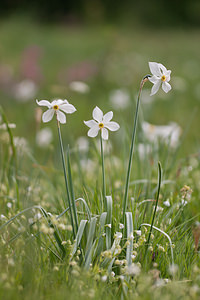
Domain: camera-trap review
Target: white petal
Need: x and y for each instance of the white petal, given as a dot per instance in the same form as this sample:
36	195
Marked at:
97	114
113	126
61	117
67	108
90	123
104	133
154	79
66	101
93	131
155	70
44	103
47	115
57	102
166	87
107	117
155	88
168	75
164	70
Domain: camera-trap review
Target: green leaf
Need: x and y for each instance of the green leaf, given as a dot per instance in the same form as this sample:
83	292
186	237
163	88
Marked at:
129	231
108	221
79	236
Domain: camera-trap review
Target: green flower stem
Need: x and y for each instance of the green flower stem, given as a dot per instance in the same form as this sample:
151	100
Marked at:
157	197
103	172
66	181
132	148
72	190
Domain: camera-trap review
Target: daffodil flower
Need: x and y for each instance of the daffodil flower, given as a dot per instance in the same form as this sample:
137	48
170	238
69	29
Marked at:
58	107
101	122
160	75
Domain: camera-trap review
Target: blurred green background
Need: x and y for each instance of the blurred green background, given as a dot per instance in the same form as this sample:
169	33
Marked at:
94	52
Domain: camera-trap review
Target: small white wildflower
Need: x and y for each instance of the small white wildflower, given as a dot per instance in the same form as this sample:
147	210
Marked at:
112	274
2	217
25	90
173	269
119	99
104	278
44	137
161	248
159	208
9	204
4	126
167	203
160	76
121	226
69	227
133	270
82	144
79	86
58	107
101	122
11	262
138	232
169	134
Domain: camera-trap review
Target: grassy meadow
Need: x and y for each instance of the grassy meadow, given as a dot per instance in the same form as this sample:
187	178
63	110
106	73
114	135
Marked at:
94	248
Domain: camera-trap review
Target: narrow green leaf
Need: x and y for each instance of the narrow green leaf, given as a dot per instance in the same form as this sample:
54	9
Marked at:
90	236
129	230
108	221
79	236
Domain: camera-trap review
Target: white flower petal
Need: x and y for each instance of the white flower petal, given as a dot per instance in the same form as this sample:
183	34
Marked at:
65	101
166	87
44	103
97	114
57	102
154	79
164	70
61	117
104	133
113	126
90	123
154	68
47	115
93	131
107	117
155	88
67	108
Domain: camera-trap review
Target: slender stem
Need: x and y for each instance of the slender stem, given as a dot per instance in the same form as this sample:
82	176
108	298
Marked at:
157	197
132	148
72	189
65	176
103	172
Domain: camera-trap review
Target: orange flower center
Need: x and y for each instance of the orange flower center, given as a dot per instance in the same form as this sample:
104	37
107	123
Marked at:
163	78
55	107
101	125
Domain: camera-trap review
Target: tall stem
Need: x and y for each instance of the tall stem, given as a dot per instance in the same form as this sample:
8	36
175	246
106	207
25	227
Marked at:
103	172
65	176
157	197
132	148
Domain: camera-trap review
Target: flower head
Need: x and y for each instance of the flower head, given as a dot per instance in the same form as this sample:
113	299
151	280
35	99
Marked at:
58	107
160	75
101	122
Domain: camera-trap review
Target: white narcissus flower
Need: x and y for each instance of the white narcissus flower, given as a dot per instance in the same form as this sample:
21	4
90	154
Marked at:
160	75
101	122
58	107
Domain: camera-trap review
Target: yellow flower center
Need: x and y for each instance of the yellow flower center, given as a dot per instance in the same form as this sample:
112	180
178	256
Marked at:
163	78
55	107
101	125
